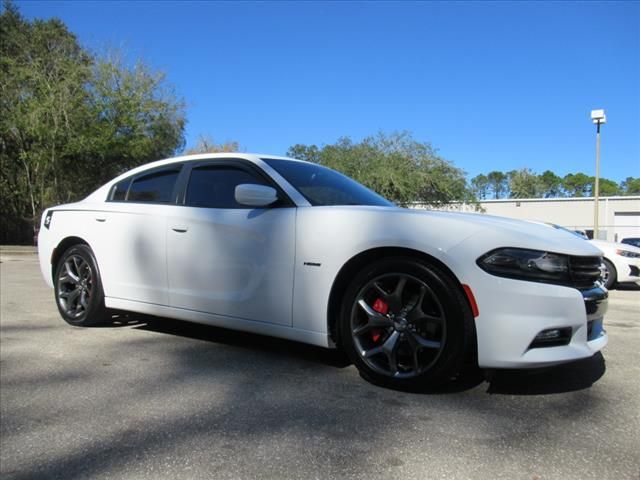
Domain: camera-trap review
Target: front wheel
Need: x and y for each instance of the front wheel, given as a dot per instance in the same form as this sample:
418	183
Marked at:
609	274
78	288
405	324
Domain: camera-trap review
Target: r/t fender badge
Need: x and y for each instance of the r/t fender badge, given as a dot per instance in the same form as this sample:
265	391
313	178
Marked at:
312	264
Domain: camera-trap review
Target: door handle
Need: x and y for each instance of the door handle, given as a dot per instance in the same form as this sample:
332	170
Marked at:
101	219
179	229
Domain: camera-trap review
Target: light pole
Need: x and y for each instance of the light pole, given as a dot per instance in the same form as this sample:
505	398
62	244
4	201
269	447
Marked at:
599	118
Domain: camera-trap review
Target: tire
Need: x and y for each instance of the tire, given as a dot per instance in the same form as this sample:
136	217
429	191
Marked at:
78	288
609	275
406	324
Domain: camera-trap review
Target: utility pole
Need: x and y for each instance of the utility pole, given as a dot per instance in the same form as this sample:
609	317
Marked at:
599	118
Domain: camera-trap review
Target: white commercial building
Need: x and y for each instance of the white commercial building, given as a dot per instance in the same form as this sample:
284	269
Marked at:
619	217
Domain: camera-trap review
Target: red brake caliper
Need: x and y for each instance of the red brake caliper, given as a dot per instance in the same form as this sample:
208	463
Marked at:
381	307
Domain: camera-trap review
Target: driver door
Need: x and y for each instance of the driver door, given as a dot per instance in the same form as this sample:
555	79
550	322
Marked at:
229	259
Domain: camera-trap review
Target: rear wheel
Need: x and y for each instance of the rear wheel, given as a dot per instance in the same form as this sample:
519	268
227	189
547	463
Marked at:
609	274
78	288
405	324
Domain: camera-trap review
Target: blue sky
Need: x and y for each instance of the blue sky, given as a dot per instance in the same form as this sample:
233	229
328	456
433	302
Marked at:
493	86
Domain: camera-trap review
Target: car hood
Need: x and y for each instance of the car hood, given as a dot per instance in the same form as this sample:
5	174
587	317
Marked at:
481	230
524	233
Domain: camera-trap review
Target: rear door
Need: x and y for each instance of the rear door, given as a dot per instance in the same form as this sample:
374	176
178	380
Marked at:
131	241
229	259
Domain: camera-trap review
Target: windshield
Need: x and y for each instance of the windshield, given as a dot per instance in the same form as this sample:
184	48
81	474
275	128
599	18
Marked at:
322	186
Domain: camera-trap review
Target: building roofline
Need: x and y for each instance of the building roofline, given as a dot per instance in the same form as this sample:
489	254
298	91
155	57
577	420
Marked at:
559	199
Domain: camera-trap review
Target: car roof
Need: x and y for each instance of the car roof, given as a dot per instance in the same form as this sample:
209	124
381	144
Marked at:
255	158
252	157
208	156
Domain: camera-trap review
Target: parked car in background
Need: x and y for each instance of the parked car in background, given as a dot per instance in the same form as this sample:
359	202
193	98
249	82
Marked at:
295	250
635	241
621	262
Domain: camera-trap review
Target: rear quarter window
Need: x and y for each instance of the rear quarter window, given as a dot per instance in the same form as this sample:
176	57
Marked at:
156	186
119	191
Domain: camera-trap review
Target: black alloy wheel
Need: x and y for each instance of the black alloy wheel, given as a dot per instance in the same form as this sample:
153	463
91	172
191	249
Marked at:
406	324
78	288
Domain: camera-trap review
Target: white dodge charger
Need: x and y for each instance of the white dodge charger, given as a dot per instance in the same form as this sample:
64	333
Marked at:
291	249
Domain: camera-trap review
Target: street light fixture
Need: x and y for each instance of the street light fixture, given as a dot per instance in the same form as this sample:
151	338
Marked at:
599	118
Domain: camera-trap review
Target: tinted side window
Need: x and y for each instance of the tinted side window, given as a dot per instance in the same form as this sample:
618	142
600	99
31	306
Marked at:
154	187
214	187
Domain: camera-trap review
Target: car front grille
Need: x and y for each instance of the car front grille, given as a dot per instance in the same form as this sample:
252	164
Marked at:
584	271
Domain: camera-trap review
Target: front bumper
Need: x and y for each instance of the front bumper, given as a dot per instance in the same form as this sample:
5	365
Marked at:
628	270
513	313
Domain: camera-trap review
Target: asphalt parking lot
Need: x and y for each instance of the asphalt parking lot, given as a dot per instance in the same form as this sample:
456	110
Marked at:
155	398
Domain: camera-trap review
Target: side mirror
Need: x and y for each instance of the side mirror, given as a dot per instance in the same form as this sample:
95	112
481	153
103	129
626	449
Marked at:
254	195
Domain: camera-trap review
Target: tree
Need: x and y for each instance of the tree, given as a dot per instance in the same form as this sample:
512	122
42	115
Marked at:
523	183
42	109
577	185
550	184
497	184
480	186
608	188
135	117
630	186
206	144
309	153
71	120
395	165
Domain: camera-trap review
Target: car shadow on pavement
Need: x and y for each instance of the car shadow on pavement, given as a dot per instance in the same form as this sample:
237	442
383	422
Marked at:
239	339
568	377
574	376
628	286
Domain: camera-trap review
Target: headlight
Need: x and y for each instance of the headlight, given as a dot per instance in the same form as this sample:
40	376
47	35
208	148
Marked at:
628	254
525	264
